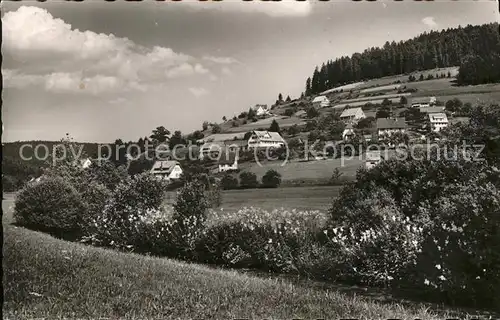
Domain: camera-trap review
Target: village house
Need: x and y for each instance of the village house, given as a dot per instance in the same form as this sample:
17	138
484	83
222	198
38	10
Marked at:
265	139
212	150
166	170
321	102
388	126
372	158
228	161
261	109
348	132
438	121
423	102
434	109
352	115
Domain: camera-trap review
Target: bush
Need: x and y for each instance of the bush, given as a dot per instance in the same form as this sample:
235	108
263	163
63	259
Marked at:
52	205
429	225
252	238
272	179
95	196
189	218
229	182
131	201
248	180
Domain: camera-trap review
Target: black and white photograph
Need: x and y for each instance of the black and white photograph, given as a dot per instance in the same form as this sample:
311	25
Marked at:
250	159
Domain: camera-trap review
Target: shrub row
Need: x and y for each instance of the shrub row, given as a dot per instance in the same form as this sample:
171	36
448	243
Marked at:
248	180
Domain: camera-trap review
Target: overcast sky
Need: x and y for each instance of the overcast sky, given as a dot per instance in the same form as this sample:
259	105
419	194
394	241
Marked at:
102	71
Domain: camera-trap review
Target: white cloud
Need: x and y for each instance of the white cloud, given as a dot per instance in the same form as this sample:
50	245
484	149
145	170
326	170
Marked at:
226	71
213	77
271	8
220	60
45	43
429	22
198	92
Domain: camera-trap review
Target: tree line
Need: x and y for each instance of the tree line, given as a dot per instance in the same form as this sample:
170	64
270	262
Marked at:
462	46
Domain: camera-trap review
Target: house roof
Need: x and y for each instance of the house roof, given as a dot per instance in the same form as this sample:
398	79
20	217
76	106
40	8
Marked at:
220	137
320	99
164	166
350	112
431	109
268	135
227	158
435	116
422	99
390	123
257	106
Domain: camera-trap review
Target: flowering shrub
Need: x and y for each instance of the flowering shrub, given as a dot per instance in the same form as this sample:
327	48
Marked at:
52	205
256	238
430	225
132	200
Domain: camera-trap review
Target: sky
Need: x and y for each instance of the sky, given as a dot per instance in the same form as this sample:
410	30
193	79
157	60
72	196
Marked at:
107	70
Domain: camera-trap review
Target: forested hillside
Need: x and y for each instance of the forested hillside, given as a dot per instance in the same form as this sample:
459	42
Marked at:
436	49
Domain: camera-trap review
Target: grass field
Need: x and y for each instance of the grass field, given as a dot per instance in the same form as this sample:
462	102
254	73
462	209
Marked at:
295	170
49	278
300	198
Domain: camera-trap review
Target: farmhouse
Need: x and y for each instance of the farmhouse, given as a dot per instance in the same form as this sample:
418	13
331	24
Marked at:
321	102
431	109
261	109
348	132
228	161
438	121
423	102
265	139
388	126
352	115
166	170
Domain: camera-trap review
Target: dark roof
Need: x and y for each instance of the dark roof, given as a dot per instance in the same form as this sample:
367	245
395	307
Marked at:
227	157
390	123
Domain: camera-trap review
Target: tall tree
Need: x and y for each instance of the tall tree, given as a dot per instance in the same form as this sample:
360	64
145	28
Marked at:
160	135
275	127
280	97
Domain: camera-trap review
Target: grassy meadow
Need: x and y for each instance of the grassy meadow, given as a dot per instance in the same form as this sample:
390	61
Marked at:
48	278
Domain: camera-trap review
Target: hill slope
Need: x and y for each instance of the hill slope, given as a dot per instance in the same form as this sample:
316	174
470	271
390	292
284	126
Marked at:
46	277
435	49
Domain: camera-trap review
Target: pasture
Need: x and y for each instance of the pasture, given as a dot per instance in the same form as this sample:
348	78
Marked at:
300	198
49	278
315	169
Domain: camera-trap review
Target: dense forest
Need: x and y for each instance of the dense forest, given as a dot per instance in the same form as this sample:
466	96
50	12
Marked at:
462	46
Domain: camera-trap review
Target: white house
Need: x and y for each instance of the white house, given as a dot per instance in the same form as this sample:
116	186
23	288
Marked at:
423	102
434	109
321	102
388	126
348	132
261	109
228	161
352	115
265	139
438	121
166	170
372	158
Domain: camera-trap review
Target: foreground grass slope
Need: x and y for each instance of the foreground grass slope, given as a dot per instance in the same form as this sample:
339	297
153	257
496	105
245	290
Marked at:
46	277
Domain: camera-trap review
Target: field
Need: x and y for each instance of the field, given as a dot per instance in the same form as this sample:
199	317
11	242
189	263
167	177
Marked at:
49	278
296	170
300	198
